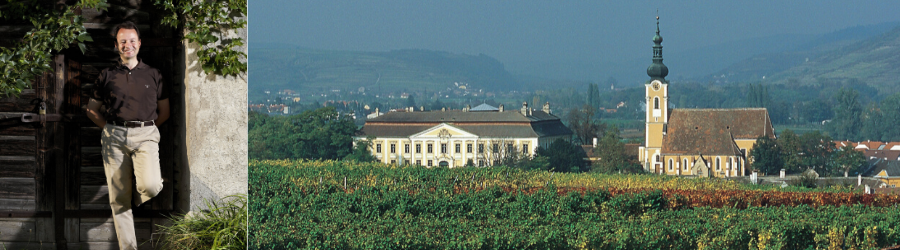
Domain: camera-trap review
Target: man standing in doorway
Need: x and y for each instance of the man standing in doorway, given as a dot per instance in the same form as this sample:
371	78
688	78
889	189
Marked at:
135	103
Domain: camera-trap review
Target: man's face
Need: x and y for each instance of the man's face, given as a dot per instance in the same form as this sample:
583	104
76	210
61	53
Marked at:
127	44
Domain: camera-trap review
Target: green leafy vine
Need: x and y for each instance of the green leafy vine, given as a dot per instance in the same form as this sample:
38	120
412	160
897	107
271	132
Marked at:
203	21
55	27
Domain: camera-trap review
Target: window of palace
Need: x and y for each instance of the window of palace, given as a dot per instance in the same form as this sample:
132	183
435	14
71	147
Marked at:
509	148
419	162
525	148
496	148
393	148
418	148
430	149
406	148
378	148
443	148
458	148
393	162
481	149
469	148
429	163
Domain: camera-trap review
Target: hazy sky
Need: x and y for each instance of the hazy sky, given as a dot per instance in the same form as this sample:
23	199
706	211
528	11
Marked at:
523	31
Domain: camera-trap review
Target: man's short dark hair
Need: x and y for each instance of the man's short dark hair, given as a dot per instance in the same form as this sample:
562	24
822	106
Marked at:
126	25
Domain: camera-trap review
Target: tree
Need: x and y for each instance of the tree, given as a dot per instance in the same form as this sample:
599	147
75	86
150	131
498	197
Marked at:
563	156
849	159
361	152
611	151
790	151
817	148
890	111
411	101
847	113
582	122
314	134
767	156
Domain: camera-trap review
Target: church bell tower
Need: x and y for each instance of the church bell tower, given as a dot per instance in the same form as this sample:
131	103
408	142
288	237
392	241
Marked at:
657	113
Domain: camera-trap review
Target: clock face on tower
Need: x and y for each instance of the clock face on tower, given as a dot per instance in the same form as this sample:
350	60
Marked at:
655	84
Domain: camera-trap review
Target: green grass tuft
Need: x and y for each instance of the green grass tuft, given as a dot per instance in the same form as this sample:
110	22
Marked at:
222	226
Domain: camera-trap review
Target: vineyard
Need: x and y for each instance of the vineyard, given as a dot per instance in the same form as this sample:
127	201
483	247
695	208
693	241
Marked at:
347	205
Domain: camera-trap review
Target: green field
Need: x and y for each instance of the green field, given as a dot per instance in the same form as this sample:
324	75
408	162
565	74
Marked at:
347	205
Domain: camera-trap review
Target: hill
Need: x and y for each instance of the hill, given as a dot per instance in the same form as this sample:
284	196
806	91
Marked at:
275	66
867	55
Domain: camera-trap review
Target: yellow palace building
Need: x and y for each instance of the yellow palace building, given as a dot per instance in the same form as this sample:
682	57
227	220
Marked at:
480	136
696	142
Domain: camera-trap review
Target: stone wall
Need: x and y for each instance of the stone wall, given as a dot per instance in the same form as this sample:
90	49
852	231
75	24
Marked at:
213	161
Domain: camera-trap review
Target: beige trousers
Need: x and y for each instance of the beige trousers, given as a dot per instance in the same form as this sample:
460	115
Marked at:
130	152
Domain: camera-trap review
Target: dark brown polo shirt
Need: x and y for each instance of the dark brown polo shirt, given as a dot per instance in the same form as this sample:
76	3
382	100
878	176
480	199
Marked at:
130	94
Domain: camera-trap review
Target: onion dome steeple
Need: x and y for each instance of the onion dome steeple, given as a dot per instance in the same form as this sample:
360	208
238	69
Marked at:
657	70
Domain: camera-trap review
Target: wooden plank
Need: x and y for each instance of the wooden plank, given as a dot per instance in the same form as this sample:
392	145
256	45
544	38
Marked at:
28	245
93	176
17	204
17	188
23	168
22	230
90	156
18	104
94	195
93	232
90	137
15	127
14	145
72	229
104	246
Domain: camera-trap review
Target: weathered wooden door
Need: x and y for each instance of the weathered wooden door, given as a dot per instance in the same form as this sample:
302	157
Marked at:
53	192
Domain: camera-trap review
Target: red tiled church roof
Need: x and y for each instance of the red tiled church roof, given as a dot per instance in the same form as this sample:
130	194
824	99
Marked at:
713	131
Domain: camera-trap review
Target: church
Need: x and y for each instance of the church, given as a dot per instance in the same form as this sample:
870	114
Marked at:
696	142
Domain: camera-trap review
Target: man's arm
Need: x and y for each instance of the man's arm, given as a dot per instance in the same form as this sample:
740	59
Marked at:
162	109
93	112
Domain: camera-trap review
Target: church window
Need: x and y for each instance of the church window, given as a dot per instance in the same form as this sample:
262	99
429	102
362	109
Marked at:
655	102
718	164
657	158
685	163
671	164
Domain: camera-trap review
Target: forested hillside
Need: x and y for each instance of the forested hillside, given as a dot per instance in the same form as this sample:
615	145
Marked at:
287	67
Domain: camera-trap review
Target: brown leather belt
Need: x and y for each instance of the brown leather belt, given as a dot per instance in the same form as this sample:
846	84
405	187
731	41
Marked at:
132	124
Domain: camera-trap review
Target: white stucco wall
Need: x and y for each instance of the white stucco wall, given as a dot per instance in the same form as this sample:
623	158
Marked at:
215	130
